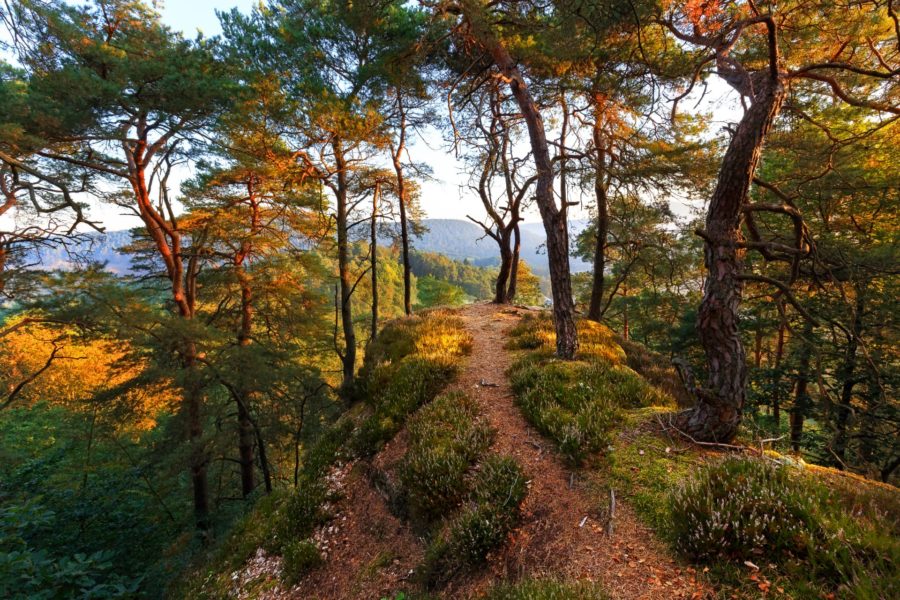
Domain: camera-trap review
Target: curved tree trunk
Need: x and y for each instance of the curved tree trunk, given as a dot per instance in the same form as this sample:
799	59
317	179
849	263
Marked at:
717	415
501	286
554	218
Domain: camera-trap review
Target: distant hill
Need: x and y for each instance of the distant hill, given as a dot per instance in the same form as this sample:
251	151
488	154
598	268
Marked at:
456	239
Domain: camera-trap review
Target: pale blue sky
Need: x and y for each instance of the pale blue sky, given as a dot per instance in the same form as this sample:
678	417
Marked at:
189	16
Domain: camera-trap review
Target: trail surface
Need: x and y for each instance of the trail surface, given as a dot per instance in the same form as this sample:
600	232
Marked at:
562	534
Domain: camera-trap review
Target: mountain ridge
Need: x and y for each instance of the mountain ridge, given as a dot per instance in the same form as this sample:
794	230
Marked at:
454	238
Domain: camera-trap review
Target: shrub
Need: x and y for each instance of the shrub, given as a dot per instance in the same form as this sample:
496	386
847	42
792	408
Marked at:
577	403
303	511
406	366
595	341
445	439
559	400
327	449
497	494
822	538
740	508
300	557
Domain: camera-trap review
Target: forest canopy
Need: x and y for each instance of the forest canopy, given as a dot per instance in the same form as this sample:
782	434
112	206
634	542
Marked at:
275	178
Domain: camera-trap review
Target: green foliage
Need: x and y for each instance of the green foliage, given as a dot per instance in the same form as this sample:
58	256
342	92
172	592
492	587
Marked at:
528	287
405	367
477	282
483	525
576	403
85	510
300	557
741	509
434	292
445	439
44	574
545	589
303	511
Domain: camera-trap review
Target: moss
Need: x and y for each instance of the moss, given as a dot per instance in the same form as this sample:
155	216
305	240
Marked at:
578	403
645	473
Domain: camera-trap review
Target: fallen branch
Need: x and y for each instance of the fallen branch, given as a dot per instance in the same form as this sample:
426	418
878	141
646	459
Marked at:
612	512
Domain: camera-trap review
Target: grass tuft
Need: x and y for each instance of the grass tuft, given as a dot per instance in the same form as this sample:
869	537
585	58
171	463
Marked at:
545	589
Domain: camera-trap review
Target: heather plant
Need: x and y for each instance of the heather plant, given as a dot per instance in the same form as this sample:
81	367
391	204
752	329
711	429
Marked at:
300	556
406	366
445	440
493	511
546	589
740	509
823	540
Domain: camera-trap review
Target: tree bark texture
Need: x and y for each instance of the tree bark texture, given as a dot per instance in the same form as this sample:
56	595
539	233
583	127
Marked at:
718	412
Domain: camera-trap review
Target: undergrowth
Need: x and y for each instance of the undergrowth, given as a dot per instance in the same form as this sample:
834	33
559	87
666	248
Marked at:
492	511
445	440
812	540
405	367
576	403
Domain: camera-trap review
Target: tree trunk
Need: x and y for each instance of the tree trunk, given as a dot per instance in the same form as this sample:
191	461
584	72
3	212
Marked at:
348	357
397	155
717	415
776	371
848	374
625	329
501	287
373	250
514	266
801	389
245	426
247	432
595	310
167	239
553	217
197	461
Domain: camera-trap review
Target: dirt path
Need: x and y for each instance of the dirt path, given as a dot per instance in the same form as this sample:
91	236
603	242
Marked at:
561	534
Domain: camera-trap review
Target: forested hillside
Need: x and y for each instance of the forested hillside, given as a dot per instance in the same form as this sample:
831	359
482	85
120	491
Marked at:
654	355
